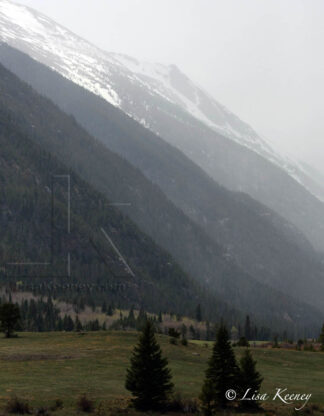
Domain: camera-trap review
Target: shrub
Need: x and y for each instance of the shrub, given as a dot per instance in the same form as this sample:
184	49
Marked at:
173	333
84	404
309	347
243	342
185	406
100	410
315	407
299	345
42	411
18	406
184	341
173	341
58	404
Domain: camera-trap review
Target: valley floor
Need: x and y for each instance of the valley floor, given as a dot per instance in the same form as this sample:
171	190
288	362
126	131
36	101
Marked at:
42	367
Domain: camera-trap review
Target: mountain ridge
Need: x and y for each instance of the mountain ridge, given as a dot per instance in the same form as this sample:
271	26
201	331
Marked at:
26	172
287	190
168	81
227	278
269	248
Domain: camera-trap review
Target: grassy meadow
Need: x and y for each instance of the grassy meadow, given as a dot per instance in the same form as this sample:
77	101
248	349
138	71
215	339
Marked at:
42	367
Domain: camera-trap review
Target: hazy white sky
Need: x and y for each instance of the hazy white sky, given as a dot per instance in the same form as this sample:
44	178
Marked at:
263	59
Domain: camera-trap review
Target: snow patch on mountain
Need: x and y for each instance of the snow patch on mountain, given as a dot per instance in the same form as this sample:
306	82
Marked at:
109	75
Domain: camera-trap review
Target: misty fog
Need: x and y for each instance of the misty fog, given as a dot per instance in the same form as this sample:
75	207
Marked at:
262	59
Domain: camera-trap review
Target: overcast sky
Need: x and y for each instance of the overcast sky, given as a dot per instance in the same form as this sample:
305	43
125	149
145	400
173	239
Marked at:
263	59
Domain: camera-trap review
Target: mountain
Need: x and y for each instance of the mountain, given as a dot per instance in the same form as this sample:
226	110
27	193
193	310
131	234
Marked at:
267	247
202	258
164	100
81	262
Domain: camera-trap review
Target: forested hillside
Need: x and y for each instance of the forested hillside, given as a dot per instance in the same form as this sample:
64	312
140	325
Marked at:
202	258
30	234
264	245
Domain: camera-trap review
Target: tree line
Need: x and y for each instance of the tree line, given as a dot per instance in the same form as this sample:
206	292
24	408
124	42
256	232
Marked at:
42	314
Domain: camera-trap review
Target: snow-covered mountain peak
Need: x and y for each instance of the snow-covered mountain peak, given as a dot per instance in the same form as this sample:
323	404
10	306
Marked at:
136	87
102	72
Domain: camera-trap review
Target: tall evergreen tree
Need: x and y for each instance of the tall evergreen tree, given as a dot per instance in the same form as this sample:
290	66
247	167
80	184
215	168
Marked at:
247	328
9	318
68	324
250	378
148	377
110	311
141	319
198	313
160	317
192	332
321	338
77	324
104	307
222	374
207	331
183	330
131	321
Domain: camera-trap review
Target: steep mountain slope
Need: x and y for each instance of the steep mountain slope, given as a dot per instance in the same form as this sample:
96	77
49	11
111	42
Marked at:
155	282
118	180
167	102
265	245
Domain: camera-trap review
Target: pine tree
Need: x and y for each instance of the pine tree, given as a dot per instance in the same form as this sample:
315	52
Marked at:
141	319
275	342
247	328
68	324
198	313
250	378
148	378
183	330
192	332
160	317
59	324
39	322
207	331
104	307
77	324
321	338
94	325
9	318
110	311
222	374
131	321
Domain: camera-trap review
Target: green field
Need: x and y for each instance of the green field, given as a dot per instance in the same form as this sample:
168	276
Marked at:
41	367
